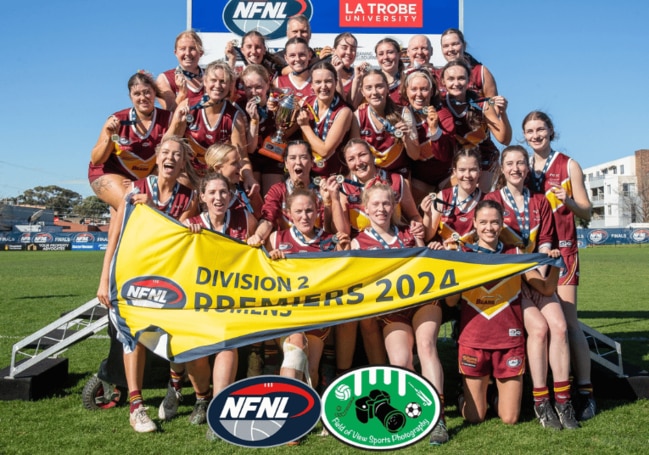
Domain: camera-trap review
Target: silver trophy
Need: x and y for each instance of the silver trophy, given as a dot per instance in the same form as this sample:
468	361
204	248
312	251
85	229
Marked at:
274	146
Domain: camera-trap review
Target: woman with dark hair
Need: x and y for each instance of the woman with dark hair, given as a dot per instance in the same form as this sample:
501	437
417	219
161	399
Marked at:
261	125
491	341
529	226
274	214
561	179
126	146
298	80
448	214
326	120
388	55
253	51
481	80
343	58
476	119
379	123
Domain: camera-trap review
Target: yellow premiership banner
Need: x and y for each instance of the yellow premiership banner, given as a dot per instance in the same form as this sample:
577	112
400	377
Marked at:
187	295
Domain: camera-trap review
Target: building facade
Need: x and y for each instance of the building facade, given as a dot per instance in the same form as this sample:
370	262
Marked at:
619	191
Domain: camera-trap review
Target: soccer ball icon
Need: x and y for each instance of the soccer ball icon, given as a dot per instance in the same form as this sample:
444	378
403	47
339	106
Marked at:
413	410
343	392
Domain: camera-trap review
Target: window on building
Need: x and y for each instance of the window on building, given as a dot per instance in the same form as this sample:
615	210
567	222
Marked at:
609	210
621	168
608	189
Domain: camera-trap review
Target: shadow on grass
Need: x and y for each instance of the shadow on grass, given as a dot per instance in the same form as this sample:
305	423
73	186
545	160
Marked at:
38	297
617	314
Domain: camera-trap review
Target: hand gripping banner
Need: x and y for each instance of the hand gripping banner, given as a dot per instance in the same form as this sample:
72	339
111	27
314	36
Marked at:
187	295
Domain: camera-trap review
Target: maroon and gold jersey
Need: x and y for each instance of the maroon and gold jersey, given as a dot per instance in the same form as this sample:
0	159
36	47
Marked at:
491	315
174	206
275	209
236	223
456	221
201	134
289	242
541	223
389	152
558	174
436	153
468	136
368	240
194	94
353	190
333	164
133	154
285	81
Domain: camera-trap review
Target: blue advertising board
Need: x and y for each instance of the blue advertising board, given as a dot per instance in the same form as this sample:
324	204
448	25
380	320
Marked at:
219	21
53	241
617	236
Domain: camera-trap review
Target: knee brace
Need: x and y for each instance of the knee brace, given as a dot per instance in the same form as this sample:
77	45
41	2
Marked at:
294	357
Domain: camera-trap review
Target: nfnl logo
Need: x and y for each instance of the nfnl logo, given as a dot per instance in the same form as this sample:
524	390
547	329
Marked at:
380	408
43	237
264	411
154	292
84	237
640	235
598	236
267	17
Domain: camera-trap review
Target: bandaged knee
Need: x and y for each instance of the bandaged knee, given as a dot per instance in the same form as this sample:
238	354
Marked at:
294	357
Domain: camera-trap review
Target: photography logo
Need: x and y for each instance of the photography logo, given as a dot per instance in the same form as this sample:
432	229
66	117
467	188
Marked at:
266	17
380	408
264	411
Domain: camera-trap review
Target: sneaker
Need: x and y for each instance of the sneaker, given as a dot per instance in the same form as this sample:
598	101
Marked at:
566	414
141	422
585	407
169	406
199	414
547	417
439	435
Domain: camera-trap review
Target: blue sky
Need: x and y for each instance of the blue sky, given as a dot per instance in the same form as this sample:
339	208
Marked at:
67	63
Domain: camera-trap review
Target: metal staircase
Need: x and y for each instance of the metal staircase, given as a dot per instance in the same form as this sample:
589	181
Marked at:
51	340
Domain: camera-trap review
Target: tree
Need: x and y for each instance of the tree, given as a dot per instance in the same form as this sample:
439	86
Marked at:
91	207
59	200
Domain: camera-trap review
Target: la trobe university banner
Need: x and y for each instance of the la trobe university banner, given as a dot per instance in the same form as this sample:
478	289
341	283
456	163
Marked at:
186	295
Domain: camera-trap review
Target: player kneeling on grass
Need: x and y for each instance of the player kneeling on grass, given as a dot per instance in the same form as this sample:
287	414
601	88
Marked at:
491	341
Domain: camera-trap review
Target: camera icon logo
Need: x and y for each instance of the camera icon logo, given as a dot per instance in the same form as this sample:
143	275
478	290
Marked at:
380	408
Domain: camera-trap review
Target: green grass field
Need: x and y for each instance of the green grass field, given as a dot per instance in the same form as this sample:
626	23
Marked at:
38	286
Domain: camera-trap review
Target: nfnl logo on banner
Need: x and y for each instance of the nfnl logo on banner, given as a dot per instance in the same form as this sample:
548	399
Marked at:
380	408
269	18
264	411
218	21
